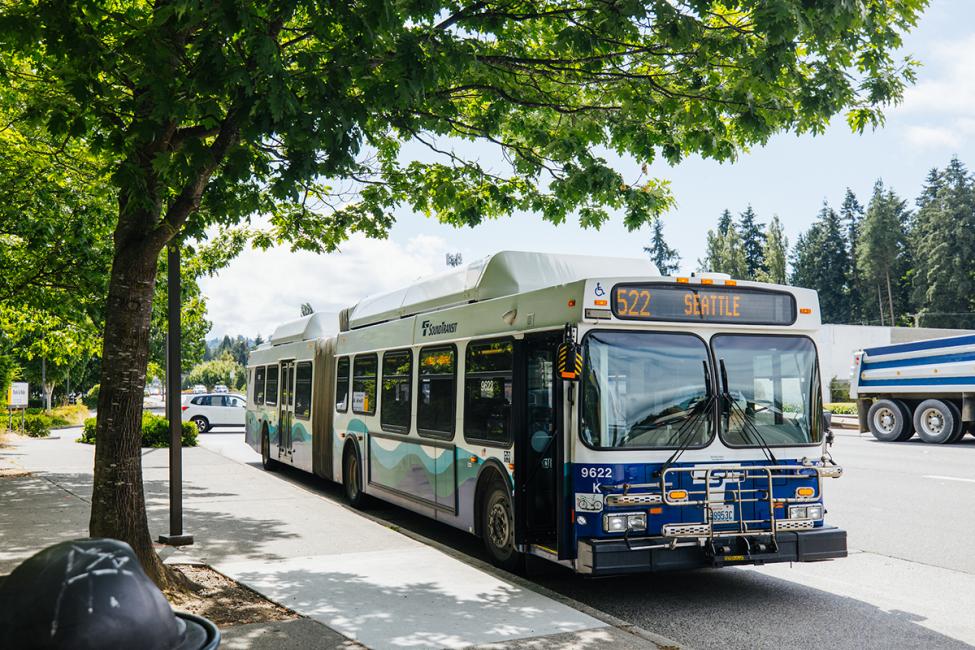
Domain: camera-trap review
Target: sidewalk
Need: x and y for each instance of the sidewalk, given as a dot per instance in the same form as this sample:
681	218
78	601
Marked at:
353	577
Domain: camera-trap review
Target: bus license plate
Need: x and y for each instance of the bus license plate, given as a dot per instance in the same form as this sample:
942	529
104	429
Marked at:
722	514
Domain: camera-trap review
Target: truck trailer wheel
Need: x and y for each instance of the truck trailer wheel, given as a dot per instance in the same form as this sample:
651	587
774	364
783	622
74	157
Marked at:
937	422
890	421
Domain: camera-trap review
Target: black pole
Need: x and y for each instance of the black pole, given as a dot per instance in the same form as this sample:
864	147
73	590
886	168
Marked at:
174	366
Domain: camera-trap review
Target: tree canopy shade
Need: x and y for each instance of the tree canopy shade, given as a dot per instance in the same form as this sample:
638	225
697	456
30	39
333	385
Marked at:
211	113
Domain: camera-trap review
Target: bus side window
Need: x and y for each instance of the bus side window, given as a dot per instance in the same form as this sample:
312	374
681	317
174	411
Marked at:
394	415
303	390
271	389
487	391
342	385
259	385
364	373
436	402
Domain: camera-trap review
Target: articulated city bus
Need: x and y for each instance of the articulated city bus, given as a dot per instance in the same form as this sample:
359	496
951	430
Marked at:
580	409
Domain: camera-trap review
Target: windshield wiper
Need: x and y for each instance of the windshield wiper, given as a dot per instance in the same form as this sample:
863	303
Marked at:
747	426
684	434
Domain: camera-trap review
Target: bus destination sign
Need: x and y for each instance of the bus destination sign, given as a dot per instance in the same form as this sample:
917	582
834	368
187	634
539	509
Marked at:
668	302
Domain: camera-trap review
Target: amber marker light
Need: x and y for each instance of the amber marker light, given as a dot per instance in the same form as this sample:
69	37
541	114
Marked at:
731	283
805	492
707	281
600	303
572	303
473	459
677	495
805	310
779	505
656	511
682	280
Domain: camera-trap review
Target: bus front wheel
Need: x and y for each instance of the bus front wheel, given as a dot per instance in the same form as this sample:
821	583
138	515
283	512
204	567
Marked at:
498	529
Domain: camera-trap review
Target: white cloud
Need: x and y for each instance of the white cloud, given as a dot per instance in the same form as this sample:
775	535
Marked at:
932	137
261	289
941	106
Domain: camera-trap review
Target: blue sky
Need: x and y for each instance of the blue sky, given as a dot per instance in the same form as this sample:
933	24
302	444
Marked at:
791	177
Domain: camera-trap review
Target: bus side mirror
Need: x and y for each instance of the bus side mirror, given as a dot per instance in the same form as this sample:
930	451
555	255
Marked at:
569	361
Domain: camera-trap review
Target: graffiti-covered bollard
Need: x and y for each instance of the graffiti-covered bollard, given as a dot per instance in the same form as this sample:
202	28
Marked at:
92	593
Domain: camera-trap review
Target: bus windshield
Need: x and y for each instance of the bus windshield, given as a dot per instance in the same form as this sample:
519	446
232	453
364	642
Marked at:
774	397
645	390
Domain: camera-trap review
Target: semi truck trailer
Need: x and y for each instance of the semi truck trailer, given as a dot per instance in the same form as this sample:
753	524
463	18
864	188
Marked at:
923	387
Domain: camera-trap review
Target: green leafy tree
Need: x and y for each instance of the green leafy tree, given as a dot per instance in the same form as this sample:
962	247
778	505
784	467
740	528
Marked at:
820	262
882	251
775	253
944	271
665	258
752	240
207	114
224	370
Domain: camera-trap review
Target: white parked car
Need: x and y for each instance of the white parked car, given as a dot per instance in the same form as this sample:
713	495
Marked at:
214	410
221	388
199	389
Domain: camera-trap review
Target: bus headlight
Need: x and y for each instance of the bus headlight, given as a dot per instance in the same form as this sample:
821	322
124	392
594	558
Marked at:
806	512
814	512
633	521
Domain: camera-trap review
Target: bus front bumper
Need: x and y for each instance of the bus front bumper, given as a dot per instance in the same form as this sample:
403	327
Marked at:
614	556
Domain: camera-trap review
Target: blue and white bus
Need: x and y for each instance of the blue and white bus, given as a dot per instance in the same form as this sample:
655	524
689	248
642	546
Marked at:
580	409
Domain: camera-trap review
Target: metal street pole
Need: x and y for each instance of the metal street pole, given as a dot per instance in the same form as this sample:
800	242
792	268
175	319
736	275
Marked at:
174	365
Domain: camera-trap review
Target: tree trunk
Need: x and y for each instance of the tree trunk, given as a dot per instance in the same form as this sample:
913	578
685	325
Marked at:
890	301
880	304
118	507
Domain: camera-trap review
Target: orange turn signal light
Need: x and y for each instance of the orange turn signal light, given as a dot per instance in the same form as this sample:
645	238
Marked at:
677	495
805	492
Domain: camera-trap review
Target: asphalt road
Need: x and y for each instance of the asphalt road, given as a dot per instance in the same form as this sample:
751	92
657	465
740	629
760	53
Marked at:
909	510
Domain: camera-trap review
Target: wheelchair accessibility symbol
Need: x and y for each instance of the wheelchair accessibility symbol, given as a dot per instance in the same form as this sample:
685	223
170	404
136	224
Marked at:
599	291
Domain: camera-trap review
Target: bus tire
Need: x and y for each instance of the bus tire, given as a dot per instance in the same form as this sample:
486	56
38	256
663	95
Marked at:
890	421
498	528
352	477
268	463
937	422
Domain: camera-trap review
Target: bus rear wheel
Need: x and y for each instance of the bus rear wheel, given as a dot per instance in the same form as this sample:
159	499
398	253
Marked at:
268	463
498	529
352	478
890	421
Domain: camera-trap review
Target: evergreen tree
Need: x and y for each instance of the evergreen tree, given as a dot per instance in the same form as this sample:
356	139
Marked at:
820	262
725	222
851	213
724	252
774	253
927	207
945	260
666	259
882	252
752	239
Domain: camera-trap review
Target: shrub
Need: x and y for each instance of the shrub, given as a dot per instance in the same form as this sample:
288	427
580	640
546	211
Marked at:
37	426
839	390
91	398
155	432
842	408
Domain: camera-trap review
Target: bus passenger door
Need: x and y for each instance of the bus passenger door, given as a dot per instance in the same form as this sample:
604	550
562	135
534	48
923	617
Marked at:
538	463
286	409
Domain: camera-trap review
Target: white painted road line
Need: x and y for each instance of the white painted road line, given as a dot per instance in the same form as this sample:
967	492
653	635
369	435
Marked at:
949	478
